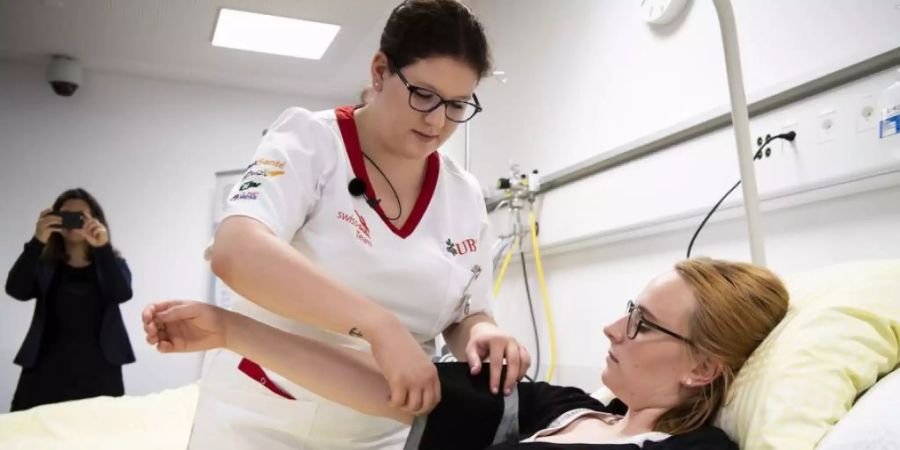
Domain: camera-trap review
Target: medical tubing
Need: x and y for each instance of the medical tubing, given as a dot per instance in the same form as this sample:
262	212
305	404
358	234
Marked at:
540	271
499	282
537	340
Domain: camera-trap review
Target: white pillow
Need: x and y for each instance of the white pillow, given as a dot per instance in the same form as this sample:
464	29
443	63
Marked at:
872	423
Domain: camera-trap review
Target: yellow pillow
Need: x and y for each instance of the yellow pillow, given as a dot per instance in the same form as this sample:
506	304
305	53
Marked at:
841	333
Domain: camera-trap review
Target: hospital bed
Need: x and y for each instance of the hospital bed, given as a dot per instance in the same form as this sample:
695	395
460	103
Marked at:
825	379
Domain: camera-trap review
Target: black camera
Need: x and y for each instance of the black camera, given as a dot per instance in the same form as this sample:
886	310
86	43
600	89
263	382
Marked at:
71	220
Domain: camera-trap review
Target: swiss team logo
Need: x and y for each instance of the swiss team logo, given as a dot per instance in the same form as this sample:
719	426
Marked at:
363	226
359	223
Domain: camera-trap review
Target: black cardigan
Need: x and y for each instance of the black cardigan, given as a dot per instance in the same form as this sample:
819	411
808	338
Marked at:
470	417
31	278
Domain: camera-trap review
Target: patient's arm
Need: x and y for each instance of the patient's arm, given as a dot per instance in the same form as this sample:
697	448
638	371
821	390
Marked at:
340	374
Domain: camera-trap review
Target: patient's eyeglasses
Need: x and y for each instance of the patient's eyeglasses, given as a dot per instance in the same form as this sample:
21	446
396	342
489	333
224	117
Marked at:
636	320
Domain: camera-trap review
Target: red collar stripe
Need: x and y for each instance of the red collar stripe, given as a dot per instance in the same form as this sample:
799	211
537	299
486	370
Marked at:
354	152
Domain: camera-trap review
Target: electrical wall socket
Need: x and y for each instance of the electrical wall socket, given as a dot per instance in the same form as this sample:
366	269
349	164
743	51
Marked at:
866	114
826	126
788	147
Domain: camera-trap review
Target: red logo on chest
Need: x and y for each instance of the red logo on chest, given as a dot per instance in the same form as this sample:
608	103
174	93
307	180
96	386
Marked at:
359	223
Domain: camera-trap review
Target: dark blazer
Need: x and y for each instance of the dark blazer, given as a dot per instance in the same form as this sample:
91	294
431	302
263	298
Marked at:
470	417
30	278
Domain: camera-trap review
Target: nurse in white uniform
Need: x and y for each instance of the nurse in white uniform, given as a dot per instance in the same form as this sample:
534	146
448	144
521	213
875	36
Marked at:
349	227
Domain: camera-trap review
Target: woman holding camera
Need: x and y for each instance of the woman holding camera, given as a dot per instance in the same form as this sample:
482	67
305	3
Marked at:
77	343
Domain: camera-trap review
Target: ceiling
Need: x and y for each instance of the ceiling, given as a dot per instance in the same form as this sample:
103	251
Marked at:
170	39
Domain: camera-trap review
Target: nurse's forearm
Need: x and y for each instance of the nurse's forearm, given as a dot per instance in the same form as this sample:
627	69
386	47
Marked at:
340	374
270	273
457	335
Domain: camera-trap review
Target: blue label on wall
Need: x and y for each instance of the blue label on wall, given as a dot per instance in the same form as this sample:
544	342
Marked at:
889	126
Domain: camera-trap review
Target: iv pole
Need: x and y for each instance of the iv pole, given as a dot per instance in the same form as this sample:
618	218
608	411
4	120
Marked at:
740	118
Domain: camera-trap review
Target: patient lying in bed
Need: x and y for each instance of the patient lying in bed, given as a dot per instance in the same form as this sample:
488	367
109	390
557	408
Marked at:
671	361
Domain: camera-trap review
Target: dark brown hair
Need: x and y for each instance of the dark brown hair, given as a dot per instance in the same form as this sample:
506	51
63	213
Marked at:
55	250
419	29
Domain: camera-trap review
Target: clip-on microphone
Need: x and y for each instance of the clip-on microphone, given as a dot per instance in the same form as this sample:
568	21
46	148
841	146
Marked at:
358	187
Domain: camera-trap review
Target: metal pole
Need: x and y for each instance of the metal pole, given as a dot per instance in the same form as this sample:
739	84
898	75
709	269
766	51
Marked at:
740	118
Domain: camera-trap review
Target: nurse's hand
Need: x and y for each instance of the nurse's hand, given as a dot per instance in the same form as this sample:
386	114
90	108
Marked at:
486	340
184	326
410	374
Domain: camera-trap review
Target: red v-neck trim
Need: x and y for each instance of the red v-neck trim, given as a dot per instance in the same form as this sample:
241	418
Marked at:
354	152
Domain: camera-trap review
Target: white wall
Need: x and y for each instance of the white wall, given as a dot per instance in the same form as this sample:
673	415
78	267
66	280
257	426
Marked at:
148	150
587	76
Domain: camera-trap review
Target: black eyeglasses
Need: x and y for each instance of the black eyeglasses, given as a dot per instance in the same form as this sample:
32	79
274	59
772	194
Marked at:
425	100
636	320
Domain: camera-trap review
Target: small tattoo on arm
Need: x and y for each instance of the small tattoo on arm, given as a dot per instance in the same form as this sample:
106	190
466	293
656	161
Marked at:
355	332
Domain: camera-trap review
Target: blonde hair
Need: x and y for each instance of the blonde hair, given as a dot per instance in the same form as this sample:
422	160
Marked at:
738	304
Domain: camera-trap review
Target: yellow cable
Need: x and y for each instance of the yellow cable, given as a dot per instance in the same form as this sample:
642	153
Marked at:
540	270
499	282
